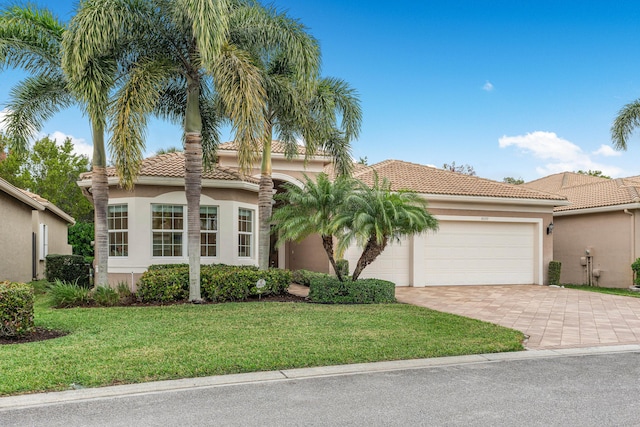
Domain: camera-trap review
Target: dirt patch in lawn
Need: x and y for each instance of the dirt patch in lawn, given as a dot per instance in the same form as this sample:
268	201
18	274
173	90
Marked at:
40	334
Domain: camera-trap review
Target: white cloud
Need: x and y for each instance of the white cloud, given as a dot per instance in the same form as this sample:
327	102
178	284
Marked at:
562	155
80	146
488	86
3	114
607	151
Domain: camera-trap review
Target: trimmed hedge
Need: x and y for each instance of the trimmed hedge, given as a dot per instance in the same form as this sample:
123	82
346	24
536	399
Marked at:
68	268
330	290
303	277
219	283
16	309
554	273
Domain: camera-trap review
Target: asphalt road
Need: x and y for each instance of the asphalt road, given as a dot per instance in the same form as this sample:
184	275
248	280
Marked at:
593	390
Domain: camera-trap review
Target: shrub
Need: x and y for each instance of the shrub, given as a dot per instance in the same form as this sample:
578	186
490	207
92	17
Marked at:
636	272
554	273
68	268
330	290
164	284
105	296
81	235
233	283
219	282
303	277
65	294
16	309
343	268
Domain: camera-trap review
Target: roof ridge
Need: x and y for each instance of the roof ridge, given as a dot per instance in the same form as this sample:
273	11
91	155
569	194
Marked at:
631	189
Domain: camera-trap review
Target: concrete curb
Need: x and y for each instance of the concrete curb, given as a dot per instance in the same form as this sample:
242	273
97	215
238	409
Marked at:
52	398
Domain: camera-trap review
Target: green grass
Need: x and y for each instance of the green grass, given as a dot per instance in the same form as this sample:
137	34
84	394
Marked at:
137	344
613	291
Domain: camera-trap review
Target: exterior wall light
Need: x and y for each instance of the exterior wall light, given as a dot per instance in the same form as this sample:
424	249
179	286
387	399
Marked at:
550	228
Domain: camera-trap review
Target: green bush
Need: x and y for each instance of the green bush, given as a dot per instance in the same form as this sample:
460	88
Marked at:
303	277
330	290
65	294
105	296
16	309
233	283
636	272
164	284
554	272
343	267
68	268
81	234
218	282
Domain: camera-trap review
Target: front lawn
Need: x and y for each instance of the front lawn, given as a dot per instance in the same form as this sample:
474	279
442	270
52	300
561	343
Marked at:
137	344
613	291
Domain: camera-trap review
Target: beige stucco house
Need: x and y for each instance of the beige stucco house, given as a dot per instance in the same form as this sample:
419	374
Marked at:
490	232
597	235
31	228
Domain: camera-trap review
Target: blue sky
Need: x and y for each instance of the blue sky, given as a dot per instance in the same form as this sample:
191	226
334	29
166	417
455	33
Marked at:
512	88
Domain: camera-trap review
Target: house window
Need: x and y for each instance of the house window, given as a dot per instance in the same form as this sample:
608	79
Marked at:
245	232
44	241
118	223
167	225
208	230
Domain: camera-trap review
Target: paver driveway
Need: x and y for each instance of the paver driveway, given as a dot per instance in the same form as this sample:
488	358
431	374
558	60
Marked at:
551	317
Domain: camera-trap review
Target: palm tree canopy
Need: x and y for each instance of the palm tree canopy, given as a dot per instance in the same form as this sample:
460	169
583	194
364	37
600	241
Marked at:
375	213
627	120
310	209
30	39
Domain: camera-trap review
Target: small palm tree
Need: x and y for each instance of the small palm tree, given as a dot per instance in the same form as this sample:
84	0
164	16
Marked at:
374	216
312	209
627	120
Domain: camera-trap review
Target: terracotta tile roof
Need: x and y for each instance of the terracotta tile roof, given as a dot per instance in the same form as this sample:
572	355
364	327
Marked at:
430	180
277	147
171	165
34	196
556	182
330	170
584	191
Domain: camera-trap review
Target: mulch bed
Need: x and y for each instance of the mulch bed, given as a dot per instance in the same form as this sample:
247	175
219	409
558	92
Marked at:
41	334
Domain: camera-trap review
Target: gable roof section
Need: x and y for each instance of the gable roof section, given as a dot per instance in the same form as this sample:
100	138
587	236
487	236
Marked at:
429	180
34	201
171	165
590	192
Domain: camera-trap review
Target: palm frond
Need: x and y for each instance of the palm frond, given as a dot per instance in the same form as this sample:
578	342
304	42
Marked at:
627	120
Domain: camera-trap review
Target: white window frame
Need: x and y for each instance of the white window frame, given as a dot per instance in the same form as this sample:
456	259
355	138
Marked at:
44	241
113	231
244	234
209	231
172	231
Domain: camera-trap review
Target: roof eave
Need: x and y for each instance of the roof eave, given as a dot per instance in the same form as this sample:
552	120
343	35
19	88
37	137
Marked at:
179	182
599	209
15	192
497	200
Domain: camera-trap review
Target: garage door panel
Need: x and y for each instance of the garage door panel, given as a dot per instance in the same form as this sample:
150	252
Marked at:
393	264
475	253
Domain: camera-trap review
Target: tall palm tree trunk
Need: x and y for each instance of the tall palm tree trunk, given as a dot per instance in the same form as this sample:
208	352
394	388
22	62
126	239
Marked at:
265	198
193	185
100	194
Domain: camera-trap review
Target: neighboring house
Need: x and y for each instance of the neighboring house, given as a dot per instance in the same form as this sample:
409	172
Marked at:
31	228
597	236
490	232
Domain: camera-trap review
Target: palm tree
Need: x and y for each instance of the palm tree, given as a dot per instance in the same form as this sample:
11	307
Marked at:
185	63
626	121
32	39
292	113
312	209
374	216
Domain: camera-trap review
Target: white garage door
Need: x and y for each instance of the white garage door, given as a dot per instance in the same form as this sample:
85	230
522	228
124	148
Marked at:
480	253
393	264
